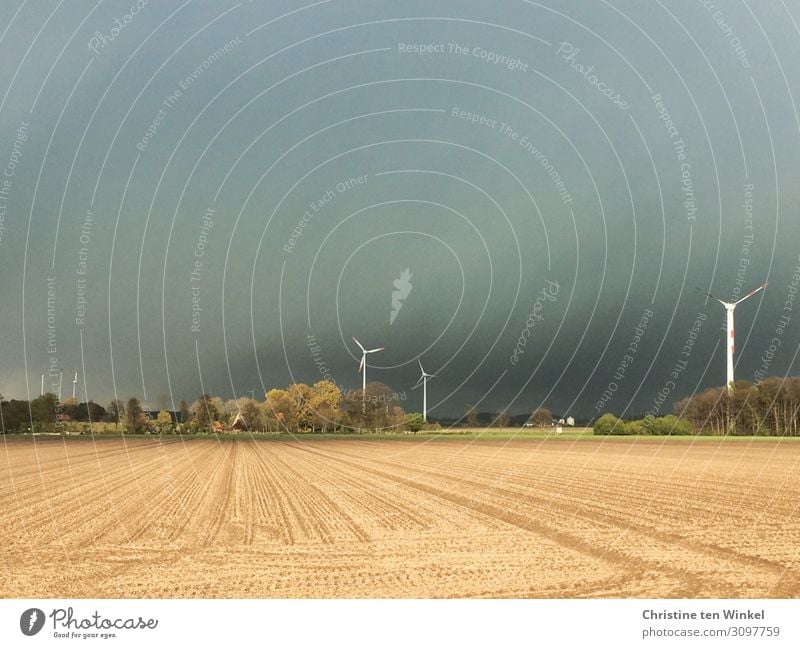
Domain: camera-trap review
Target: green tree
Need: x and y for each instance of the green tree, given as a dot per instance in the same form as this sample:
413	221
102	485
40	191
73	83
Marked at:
16	416
608	424
252	414
671	425
204	413
303	397
43	409
352	414
70	407
281	407
164	422
326	392
90	412
269	418
634	428
219	407
414	422
135	419
326	400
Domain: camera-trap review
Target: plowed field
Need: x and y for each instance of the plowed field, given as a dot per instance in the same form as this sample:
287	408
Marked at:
132	518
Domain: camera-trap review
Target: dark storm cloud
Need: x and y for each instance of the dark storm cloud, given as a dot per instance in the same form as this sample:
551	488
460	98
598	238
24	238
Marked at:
217	197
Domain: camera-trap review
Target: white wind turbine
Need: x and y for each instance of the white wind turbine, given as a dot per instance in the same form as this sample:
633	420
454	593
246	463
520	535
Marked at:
730	333
362	367
423	380
74	385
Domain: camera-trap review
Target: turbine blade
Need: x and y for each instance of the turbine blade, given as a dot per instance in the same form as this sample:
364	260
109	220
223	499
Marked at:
361	364
712	296
420	366
750	294
359	344
418	383
374	350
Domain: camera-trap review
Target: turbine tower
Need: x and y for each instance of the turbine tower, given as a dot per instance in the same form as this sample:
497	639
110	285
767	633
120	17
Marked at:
74	385
362	369
730	334
423	380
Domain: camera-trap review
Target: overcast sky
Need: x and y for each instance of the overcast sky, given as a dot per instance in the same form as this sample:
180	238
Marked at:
216	196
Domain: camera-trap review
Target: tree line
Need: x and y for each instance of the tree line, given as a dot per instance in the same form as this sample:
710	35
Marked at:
770	407
321	407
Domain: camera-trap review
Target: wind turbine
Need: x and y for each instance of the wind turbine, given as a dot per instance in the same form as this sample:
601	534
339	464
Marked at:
423	380
730	335
362	368
74	385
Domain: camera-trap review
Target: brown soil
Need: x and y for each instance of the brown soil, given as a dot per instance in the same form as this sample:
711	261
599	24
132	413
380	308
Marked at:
136	518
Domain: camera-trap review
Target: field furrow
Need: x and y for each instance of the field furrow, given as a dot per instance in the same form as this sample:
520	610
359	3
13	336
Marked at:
209	517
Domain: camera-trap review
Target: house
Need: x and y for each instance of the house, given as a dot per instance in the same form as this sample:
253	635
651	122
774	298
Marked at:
570	421
218	428
239	423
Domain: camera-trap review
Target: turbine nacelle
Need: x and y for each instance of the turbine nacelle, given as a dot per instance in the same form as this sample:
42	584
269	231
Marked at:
423	376
364	353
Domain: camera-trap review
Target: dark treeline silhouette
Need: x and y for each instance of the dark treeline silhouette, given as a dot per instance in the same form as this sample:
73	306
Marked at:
44	412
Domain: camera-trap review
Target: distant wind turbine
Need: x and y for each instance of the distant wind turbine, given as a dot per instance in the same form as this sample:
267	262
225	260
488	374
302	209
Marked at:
74	385
730	333
423	380
362	367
